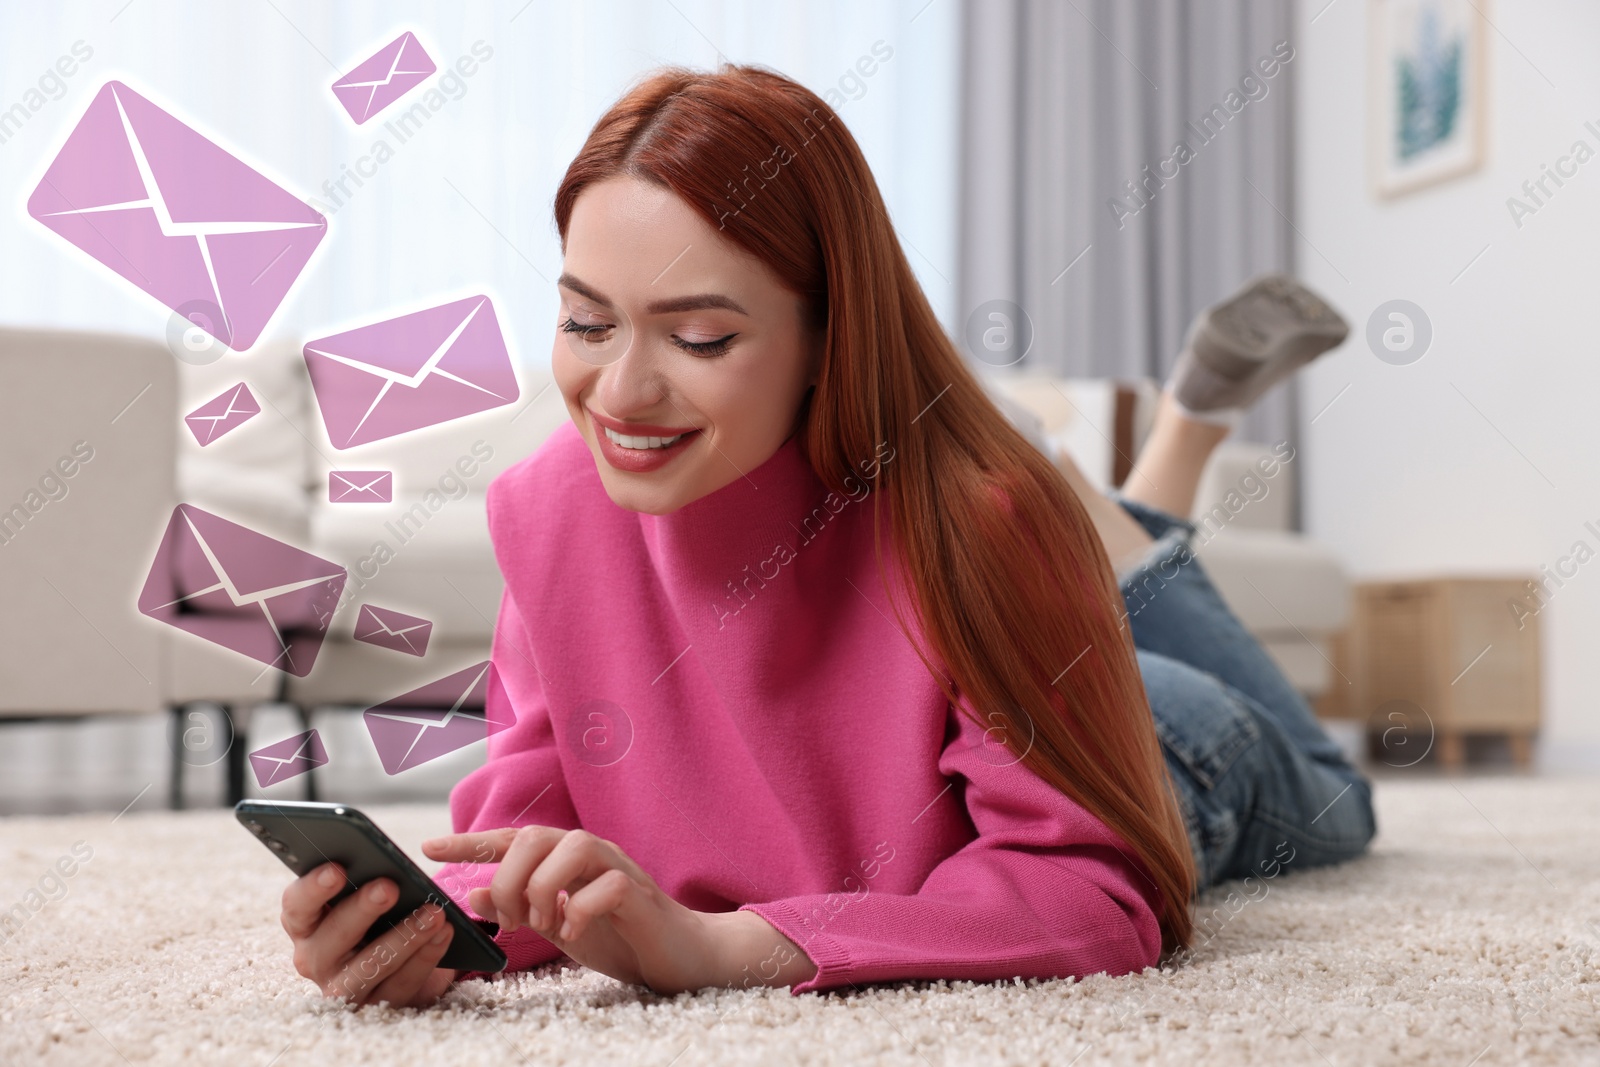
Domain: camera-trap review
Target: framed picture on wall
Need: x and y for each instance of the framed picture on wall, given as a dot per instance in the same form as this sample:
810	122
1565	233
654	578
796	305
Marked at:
1427	97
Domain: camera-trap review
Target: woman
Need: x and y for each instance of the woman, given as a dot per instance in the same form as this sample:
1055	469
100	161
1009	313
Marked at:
820	670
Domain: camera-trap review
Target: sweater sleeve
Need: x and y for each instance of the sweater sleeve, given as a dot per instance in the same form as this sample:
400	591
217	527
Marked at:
1044	890
520	783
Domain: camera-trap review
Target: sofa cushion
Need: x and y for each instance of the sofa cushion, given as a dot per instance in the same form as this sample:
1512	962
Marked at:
1246	485
1277	583
360	675
426	555
262	498
1308	664
271	443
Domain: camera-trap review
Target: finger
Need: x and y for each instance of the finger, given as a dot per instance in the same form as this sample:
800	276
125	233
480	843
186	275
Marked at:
606	895
401	987
386	954
342	929
559	917
509	886
578	857
482	846
306	896
482	903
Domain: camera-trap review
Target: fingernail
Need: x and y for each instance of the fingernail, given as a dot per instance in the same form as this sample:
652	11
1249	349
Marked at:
430	916
534	918
328	878
432	842
439	938
566	930
377	892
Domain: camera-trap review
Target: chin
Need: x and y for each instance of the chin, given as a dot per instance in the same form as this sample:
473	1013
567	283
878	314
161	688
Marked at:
646	503
627	494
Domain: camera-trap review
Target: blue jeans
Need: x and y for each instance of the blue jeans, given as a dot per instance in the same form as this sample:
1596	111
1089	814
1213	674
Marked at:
1262	787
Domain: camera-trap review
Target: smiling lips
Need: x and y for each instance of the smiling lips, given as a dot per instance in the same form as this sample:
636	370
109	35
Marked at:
639	447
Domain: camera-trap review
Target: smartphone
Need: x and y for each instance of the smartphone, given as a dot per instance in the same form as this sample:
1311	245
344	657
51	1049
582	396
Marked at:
305	835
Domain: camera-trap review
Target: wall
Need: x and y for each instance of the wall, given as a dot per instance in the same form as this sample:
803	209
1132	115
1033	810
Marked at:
1480	457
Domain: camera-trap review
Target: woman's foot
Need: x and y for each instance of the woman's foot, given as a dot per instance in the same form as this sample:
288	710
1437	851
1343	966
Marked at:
1240	348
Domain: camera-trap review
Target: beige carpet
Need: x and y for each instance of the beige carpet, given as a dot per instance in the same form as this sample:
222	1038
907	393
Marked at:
1471	935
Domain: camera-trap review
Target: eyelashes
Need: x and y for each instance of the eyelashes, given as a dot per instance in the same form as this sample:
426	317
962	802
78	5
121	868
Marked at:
706	349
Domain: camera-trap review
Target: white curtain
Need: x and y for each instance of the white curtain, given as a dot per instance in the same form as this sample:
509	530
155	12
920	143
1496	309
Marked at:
1069	101
463	204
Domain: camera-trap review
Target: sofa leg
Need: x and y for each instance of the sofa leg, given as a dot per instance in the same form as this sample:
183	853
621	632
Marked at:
234	724
237	720
175	754
310	776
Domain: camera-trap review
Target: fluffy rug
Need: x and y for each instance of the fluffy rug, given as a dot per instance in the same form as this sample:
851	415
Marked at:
1468	936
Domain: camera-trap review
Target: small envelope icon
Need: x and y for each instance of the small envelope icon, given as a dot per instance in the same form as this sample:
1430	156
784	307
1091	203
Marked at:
177	216
388	628
378	82
216	417
360	487
417	370
289	758
242	590
440	717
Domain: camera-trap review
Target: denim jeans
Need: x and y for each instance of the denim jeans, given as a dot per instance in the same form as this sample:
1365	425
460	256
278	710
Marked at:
1262	787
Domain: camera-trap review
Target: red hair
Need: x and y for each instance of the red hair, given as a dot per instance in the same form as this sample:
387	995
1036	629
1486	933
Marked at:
769	164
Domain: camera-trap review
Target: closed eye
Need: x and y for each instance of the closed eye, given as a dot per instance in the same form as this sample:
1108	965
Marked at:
709	349
588	331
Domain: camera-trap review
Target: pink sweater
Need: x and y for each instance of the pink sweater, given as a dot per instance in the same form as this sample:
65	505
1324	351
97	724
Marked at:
722	692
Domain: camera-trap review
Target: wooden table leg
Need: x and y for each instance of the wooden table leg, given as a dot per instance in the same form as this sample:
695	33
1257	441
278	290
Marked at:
1452	751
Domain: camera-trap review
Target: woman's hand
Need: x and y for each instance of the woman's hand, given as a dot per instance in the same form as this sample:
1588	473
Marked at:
589	899
400	966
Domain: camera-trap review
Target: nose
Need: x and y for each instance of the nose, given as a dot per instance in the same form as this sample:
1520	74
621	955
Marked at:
629	385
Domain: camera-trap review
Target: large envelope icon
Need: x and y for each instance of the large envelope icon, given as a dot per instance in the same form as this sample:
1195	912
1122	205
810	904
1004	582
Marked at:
417	370
242	590
177	216
386	77
440	717
288	758
392	629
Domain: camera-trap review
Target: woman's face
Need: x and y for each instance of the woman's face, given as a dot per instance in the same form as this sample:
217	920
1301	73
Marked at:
646	280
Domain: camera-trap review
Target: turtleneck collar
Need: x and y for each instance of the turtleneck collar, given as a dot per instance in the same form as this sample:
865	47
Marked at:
710	539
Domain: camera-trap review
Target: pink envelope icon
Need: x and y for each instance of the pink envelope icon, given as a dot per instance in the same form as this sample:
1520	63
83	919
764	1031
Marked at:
289	758
177	216
440	717
388	628
360	487
242	590
378	82
417	370
216	417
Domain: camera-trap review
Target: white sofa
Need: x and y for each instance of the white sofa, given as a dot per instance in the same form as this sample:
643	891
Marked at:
1290	592
73	642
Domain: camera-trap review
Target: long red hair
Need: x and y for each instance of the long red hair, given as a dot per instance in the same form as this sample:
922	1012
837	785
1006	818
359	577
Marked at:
971	501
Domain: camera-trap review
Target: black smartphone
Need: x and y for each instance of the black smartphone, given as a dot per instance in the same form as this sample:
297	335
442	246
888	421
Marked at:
306	835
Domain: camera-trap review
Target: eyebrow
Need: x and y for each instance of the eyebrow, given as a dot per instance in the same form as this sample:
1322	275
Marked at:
666	306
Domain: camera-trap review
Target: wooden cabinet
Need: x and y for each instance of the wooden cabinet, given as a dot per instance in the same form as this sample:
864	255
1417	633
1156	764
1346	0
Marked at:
1463	651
